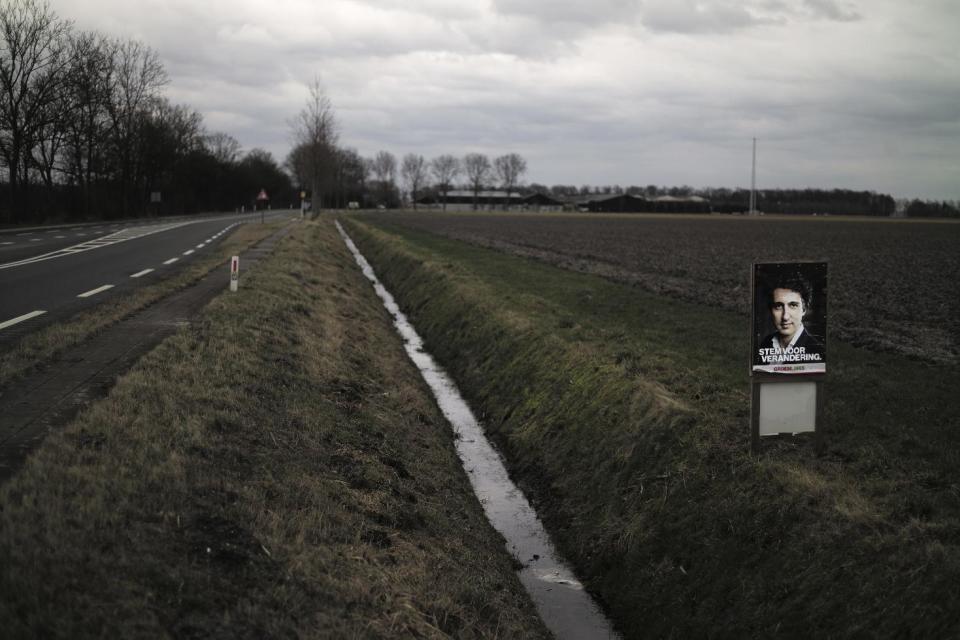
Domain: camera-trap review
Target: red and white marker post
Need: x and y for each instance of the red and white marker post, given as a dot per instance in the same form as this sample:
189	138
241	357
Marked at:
234	272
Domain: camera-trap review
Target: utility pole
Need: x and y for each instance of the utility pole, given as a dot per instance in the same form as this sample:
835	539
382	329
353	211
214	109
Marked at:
753	182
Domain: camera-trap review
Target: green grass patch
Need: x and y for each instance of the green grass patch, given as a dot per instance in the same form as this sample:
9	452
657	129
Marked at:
276	469
40	347
625	416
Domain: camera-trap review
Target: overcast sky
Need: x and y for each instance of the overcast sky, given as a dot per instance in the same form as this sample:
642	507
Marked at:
860	94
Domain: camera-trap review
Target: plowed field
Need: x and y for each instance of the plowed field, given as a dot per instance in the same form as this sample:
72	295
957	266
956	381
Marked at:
893	284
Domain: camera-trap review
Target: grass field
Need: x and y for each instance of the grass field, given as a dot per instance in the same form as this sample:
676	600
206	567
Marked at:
277	469
893	283
624	414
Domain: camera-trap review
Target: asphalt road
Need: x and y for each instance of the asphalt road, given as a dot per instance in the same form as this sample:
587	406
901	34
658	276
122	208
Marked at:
50	273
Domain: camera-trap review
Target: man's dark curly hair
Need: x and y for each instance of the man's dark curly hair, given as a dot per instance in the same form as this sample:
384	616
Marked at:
794	282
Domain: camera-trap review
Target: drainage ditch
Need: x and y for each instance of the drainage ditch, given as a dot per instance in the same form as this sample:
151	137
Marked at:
565	607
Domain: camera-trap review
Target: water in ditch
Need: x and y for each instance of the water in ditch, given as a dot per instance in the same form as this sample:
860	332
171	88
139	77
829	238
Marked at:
566	608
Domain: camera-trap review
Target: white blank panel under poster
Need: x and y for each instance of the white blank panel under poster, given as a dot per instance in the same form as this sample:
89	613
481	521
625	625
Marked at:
788	407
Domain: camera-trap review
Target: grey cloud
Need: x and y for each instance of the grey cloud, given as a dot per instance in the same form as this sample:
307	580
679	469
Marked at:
689	16
582	14
437	9
725	16
832	10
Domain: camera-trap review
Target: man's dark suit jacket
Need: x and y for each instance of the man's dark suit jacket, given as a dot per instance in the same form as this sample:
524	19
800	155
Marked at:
807	341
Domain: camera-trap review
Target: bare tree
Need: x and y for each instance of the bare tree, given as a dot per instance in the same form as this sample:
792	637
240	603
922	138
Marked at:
33	56
509	168
476	166
139	75
351	177
445	169
413	169
168	135
90	85
316	132
223	147
384	169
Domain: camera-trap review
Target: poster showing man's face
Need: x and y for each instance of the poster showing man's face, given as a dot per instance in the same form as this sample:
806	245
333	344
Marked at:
789	311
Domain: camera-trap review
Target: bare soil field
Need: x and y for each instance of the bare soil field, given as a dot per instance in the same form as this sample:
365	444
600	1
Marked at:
893	284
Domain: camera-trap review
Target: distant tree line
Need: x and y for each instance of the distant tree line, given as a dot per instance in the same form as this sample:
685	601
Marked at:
805	201
722	200
86	132
932	209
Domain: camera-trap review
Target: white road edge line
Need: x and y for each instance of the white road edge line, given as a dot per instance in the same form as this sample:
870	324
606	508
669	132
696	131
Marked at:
171	260
94	292
19	319
141	273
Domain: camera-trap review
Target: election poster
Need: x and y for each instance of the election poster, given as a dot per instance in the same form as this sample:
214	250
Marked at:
789	318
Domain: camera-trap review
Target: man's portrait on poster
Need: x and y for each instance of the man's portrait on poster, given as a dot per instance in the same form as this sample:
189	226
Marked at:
790	317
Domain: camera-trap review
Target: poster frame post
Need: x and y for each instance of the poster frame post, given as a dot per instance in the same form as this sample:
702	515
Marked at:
759	379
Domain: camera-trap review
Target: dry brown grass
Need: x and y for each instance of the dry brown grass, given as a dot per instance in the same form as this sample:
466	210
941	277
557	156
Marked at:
276	469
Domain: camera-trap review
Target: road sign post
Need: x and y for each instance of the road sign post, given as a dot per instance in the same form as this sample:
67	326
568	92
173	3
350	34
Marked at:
234	273
262	202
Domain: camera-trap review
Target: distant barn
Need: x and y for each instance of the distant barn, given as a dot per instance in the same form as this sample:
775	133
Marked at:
626	203
463	200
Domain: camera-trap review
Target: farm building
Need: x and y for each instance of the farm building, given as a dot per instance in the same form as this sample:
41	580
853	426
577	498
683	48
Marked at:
542	202
626	203
462	200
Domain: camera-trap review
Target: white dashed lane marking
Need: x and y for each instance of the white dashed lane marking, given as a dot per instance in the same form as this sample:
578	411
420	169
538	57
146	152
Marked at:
171	260
188	252
94	292
19	319
141	273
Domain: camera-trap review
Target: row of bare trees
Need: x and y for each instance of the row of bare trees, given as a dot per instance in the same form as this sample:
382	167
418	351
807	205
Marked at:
85	131
479	173
336	176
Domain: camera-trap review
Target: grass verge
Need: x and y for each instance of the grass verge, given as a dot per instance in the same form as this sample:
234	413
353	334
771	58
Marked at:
277	469
625	416
40	347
